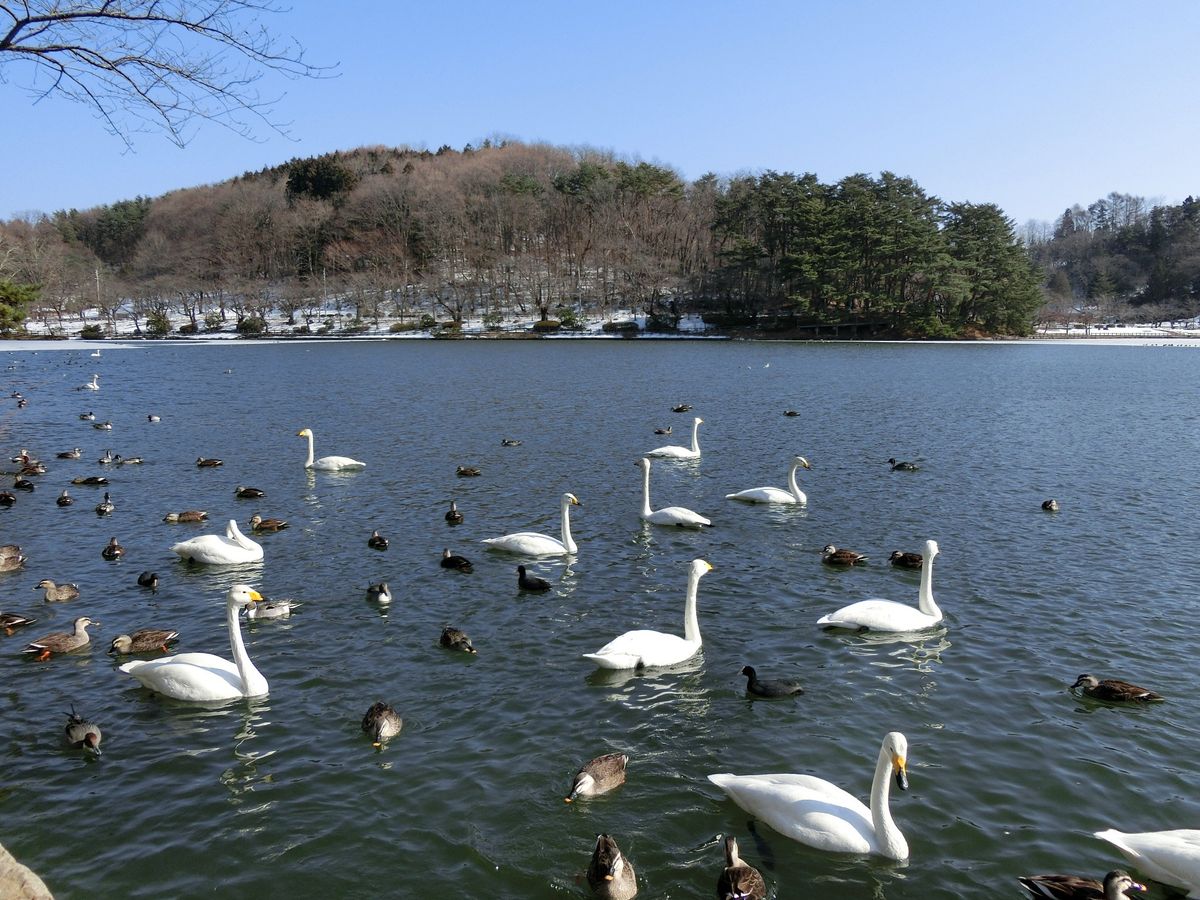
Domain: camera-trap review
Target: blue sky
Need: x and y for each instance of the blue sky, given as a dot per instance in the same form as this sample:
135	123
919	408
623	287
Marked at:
1031	104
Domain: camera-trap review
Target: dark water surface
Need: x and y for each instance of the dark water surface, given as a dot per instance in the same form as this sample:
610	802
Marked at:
284	796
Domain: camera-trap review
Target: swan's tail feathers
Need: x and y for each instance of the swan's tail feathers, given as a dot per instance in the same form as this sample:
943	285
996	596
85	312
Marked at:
722	780
1115	838
829	620
614	660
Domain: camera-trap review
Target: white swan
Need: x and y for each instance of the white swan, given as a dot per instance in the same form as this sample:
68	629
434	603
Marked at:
676	452
531	543
1172	857
229	549
651	649
93	385
327	463
203	676
822	815
668	515
887	615
776	495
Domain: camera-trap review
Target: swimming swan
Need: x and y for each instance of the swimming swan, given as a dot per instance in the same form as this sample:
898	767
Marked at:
204	677
675	452
1172	857
229	549
531	543
822	815
327	463
668	515
651	649
776	495
887	615
93	385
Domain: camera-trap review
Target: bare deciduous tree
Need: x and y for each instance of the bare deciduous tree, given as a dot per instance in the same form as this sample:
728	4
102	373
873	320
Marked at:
162	64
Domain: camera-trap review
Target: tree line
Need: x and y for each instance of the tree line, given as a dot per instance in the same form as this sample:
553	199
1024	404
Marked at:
512	229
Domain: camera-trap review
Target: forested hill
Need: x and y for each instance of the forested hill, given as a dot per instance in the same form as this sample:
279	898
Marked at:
515	228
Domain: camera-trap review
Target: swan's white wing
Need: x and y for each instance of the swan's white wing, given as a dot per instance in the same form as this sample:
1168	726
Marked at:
762	495
804	808
677	515
1172	857
673	453
189	676
530	543
332	463
651	648
217	550
879	615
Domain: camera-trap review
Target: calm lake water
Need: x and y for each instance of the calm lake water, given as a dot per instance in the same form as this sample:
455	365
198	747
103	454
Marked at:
285	796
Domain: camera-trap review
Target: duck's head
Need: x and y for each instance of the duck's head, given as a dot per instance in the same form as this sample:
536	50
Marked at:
122	643
1116	883
607	859
84	622
829	548
749	672
583	784
1085	681
731	852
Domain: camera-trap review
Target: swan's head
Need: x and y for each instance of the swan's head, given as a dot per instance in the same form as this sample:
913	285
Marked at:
304	432
895	745
800	461
700	567
572	499
242	595
643	463
697	421
931	549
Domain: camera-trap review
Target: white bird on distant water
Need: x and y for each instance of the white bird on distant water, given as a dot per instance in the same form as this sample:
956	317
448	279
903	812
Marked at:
93	385
532	543
644	649
887	615
229	549
327	463
668	515
673	451
792	495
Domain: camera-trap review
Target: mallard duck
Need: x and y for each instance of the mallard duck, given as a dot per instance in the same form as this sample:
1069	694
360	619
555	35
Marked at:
739	881
769	689
65	499
509	442
610	875
61	641
208	462
144	640
599	776
467	471
258	523
381	722
379	593
1116	886
1114	690
526	582
112	550
10	622
57	593
90	480
7	498
1050	505
454	561
82	734
73	453
902	466
682	408
248	493
188	515
903	560
453	516
148	580
832	556
377	541
33	468
105	507
456	639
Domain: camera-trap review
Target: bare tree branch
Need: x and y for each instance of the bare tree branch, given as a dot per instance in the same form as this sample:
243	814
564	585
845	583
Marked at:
153	64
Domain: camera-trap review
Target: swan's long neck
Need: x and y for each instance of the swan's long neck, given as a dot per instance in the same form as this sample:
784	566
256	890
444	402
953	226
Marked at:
691	621
308	463
925	597
793	486
566	527
645	490
887	835
234	534
695	437
253	682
